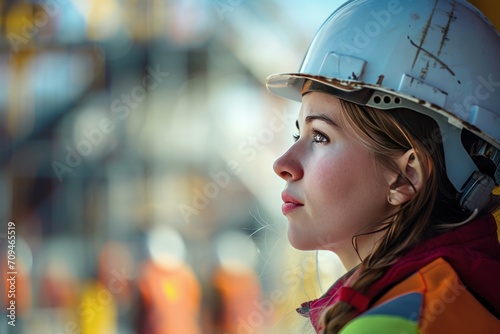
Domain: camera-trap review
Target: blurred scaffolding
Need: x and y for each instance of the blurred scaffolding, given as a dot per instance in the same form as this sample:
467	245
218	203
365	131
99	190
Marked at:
137	141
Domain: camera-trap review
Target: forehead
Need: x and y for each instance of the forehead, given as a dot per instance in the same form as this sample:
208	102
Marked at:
320	103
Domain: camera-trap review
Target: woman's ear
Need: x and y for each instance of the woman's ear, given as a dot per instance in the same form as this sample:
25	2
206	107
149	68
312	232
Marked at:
401	191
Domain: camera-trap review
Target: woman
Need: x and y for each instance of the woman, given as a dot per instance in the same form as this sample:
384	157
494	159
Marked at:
394	166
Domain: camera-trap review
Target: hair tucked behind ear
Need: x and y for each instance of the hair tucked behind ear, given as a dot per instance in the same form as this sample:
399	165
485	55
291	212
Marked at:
389	134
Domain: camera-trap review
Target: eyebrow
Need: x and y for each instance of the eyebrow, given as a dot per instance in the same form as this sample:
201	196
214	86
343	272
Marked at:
321	117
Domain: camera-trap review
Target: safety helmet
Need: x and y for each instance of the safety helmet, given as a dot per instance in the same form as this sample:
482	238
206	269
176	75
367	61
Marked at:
437	57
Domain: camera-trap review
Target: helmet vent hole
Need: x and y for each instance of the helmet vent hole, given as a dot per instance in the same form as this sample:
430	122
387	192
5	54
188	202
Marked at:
377	99
387	99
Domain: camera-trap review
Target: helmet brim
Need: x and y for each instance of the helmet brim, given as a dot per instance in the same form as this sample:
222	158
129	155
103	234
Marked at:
289	86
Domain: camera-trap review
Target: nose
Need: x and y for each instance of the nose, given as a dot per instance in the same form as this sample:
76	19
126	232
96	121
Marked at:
288	167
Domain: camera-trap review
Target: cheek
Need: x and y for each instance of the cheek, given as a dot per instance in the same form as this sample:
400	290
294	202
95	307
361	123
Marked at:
349	182
341	171
333	180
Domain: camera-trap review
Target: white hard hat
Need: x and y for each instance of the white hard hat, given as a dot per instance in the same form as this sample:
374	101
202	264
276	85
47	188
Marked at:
437	57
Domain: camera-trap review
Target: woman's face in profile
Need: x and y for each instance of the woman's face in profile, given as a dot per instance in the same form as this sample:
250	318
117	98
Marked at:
334	186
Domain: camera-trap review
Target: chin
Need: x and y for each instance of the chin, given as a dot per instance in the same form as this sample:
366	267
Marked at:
298	241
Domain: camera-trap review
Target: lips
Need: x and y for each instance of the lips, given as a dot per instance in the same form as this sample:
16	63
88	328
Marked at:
289	203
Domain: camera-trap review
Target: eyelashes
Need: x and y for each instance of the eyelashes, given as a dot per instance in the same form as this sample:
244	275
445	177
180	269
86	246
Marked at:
316	137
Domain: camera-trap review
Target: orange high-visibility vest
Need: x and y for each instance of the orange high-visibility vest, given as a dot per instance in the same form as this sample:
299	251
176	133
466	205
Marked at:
170	298
241	301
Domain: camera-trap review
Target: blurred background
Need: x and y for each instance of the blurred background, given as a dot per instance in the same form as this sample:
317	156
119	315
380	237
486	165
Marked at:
137	142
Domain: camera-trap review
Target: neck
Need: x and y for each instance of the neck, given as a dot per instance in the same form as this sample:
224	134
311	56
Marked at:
348	257
365	245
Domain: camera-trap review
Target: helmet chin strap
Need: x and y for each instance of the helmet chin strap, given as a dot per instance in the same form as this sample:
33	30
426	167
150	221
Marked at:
478	188
477	191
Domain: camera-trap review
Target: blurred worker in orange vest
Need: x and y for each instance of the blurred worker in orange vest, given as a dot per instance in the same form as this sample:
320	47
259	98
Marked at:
169	292
242	309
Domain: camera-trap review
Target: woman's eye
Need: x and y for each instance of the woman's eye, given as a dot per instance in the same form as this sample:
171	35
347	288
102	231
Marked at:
317	137
320	138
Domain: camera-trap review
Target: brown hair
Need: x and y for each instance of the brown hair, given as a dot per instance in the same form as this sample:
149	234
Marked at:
388	134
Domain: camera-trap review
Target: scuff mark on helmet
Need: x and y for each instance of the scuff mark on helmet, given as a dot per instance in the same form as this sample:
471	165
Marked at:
432	56
451	17
424	34
353	76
